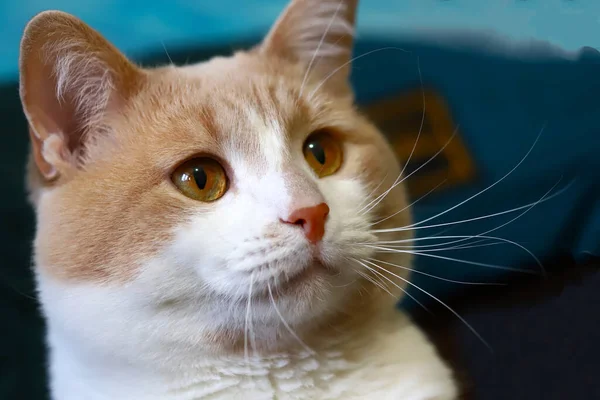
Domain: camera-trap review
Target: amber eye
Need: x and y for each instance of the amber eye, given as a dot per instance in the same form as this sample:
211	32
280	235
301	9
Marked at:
323	153
201	179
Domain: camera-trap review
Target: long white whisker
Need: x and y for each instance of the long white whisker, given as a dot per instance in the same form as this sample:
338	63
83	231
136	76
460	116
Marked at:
441	246
246	323
344	65
483	234
418	134
312	60
370	195
485	265
416	271
450	309
166	52
407	207
370	279
487	188
384	194
422	118
376	280
539	263
467	238
432	157
543	199
290	330
418	239
460	247
392	282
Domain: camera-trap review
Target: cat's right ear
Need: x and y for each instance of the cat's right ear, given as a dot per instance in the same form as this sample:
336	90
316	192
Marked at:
318	34
71	79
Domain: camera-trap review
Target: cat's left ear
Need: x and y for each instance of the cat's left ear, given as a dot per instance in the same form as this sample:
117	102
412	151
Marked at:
318	34
71	79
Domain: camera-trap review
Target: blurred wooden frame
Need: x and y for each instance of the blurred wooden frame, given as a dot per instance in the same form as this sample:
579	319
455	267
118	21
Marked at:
400	118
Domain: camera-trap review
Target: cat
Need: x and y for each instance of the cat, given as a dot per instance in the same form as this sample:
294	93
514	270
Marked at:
210	231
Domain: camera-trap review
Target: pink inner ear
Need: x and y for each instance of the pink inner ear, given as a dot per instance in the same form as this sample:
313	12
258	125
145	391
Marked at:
50	116
46	169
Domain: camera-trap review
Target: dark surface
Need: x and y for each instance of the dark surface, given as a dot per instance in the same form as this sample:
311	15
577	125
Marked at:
543	335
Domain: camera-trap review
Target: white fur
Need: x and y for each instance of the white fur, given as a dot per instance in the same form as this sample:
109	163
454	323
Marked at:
101	350
84	77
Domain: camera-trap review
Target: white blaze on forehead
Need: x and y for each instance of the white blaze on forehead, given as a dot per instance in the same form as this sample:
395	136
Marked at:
271	137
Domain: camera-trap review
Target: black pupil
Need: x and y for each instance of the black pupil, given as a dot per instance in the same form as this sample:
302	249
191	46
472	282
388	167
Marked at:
317	151
200	177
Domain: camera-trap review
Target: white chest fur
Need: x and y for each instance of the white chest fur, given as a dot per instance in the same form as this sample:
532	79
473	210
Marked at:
391	360
106	344
393	366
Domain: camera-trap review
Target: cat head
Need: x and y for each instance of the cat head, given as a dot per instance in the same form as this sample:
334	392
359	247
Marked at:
181	203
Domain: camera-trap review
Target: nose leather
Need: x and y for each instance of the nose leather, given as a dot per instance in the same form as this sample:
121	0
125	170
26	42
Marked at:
312	220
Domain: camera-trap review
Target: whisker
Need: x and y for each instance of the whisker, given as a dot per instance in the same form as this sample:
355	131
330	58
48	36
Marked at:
344	65
368	279
475	244
21	293
418	134
376	283
450	309
375	279
533	256
372	280
384	194
422	118
462	247
370	195
416	271
408	206
437	237
290	330
487	188
543	199
479	264
483	234
468	245
418	239
392	282
312	60
246	322
166	52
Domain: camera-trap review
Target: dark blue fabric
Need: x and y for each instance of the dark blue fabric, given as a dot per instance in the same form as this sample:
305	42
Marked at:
501	103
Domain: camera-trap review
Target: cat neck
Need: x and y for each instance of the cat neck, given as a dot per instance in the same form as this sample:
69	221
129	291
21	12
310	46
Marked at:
108	354
375	356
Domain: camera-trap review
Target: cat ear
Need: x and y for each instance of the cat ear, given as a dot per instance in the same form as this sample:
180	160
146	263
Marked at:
316	33
71	78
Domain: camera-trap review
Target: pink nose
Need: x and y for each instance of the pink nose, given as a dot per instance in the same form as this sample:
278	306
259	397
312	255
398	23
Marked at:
312	220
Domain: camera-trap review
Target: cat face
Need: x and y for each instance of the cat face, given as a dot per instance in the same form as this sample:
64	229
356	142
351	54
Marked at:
182	203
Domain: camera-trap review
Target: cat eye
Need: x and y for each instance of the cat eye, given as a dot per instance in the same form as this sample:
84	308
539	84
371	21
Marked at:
323	153
201	179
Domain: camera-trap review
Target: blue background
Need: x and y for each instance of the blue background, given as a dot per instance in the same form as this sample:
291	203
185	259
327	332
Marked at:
137	26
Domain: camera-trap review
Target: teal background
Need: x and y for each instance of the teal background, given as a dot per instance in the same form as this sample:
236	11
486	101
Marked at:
499	93
138	26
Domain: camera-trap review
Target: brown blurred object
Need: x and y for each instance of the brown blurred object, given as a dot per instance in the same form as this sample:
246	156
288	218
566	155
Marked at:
401	118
